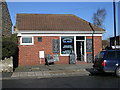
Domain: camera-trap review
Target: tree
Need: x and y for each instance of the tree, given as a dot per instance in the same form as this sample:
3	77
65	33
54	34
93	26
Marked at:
12	38
99	17
105	44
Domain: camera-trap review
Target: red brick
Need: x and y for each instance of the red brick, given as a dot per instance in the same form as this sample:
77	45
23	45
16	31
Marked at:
29	54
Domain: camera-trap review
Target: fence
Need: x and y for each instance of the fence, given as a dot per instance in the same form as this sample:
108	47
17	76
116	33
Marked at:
6	65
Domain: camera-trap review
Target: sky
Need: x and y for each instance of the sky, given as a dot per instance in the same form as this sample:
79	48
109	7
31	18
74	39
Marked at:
84	10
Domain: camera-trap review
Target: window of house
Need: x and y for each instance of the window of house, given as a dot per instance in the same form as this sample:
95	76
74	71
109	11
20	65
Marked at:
67	44
27	41
39	39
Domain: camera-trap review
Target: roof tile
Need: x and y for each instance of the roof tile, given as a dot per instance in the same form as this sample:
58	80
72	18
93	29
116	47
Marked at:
53	22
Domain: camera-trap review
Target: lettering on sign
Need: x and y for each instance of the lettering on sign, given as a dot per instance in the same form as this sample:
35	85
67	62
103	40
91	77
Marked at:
67	44
67	40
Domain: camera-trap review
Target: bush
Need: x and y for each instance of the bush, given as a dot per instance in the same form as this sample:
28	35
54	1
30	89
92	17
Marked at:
9	48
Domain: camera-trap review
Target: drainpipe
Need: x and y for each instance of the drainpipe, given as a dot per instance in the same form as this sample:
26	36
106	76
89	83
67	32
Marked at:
92	42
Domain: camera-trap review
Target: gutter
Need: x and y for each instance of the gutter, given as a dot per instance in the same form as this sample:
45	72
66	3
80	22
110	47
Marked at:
92	42
57	32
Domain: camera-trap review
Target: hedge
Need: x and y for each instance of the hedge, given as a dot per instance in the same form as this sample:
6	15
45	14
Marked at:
9	48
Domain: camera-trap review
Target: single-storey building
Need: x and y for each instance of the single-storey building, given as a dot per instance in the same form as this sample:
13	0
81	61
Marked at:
58	35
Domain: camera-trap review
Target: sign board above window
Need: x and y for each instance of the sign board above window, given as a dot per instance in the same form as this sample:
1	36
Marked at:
67	40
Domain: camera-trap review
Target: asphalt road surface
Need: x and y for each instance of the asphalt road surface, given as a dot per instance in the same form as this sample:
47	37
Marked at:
94	81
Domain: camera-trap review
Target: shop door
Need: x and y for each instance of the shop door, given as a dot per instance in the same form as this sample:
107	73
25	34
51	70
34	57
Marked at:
80	50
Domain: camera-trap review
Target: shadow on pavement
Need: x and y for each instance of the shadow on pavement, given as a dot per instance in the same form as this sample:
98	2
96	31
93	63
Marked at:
94	72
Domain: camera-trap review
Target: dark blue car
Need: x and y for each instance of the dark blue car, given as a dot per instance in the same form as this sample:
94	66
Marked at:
108	61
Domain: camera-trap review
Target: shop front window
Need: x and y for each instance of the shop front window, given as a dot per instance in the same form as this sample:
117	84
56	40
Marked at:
67	44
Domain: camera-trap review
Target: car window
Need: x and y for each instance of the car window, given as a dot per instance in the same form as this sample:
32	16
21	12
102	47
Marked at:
118	55
110	55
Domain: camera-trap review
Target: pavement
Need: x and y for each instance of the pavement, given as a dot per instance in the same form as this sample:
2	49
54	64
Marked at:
51	71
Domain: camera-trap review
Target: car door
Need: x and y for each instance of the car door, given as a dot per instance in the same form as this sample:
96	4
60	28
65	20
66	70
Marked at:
118	58
111	60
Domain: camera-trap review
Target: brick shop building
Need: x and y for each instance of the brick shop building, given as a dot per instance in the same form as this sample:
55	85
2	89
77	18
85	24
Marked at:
57	35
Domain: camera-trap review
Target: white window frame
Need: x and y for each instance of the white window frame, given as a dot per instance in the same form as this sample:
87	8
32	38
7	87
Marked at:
75	47
27	43
84	47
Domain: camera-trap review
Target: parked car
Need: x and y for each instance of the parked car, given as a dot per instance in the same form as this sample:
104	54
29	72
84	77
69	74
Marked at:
108	61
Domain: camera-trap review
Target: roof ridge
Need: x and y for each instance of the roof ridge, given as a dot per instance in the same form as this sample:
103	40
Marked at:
42	14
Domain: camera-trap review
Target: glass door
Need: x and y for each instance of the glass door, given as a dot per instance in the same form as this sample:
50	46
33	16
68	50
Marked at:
80	50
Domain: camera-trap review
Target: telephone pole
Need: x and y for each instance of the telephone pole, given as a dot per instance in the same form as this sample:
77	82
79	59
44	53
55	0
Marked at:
114	9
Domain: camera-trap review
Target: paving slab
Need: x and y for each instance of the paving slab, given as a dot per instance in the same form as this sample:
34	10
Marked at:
16	74
31	74
57	70
38	74
23	74
46	74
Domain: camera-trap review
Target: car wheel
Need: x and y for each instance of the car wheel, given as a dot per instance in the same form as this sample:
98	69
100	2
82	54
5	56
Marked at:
118	71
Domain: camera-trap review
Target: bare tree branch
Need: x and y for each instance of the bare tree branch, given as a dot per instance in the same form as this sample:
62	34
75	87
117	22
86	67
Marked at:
99	17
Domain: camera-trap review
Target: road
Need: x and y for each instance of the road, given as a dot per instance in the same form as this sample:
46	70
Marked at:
94	81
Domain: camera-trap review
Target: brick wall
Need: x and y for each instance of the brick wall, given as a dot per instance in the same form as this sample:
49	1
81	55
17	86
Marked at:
29	54
5	20
97	44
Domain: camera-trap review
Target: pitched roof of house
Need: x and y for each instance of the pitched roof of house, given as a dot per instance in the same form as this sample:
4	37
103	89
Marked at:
53	22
